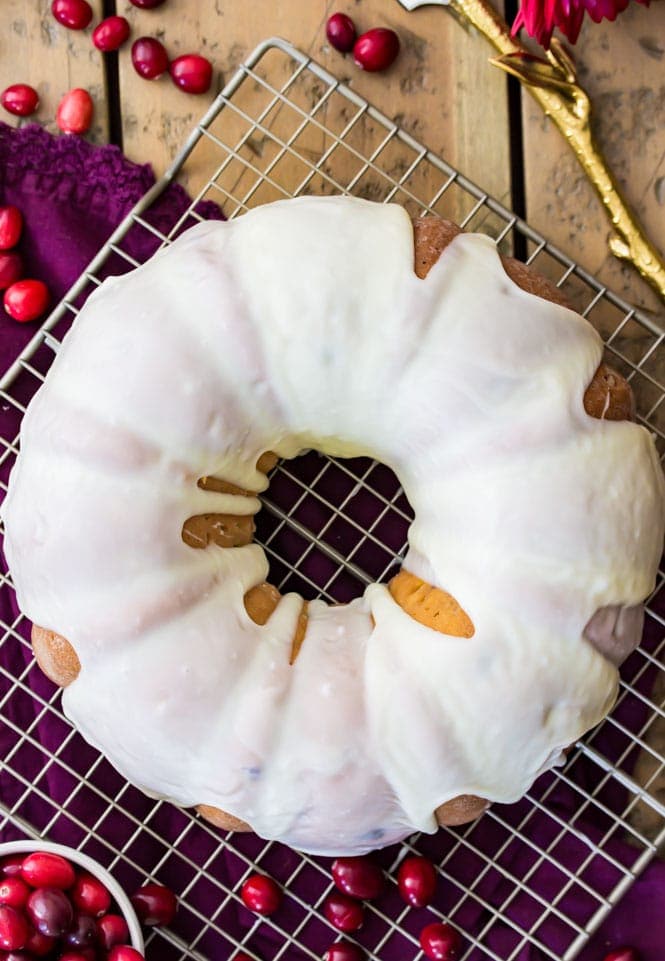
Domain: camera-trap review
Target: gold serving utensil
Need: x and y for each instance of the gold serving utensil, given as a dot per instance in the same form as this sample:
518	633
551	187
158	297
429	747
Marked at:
553	83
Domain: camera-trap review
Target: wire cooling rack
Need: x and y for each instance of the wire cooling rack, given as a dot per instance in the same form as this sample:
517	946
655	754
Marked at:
542	873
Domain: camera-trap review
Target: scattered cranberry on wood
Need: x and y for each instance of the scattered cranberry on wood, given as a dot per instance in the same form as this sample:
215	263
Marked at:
149	58
622	954
341	32
75	110
358	877
343	951
20	99
73	14
440	941
147	4
192	73
154	904
416	880
112	929
376	50
11	226
111	33
261	894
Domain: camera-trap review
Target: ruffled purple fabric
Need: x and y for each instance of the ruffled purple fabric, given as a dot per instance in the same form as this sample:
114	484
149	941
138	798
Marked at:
73	195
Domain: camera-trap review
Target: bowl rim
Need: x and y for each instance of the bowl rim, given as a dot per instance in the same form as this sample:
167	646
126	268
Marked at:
94	867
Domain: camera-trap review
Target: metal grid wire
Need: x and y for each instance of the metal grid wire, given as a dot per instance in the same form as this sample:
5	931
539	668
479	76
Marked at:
543	872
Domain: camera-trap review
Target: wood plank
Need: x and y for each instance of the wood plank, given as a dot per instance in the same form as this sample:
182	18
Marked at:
36	49
440	89
622	67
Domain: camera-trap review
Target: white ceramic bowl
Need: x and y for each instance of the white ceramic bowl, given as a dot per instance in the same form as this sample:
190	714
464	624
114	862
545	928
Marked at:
82	860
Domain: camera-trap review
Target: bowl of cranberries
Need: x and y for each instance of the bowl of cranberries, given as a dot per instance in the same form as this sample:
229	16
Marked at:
57	904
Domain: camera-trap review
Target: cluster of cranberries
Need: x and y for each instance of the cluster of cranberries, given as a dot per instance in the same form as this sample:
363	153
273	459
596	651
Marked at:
191	72
359	879
26	299
374	50
52	910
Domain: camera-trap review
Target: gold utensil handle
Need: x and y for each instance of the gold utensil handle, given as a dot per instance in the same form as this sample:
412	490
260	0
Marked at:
553	84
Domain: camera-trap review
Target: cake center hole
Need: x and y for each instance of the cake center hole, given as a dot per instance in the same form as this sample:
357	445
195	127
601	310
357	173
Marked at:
330	527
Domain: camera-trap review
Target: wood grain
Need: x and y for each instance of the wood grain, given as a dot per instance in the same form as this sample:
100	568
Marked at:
36	49
440	89
622	67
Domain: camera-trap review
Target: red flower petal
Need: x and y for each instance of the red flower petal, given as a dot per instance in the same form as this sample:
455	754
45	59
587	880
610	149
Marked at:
540	17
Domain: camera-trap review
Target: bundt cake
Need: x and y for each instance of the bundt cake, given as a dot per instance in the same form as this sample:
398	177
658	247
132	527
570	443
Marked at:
310	323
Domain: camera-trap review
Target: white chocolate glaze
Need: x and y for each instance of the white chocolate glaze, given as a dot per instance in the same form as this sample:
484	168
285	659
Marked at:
299	325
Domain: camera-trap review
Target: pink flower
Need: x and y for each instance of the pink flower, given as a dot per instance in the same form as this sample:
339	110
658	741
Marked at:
540	17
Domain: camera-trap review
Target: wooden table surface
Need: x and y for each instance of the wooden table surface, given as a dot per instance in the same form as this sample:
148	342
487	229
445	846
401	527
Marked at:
441	89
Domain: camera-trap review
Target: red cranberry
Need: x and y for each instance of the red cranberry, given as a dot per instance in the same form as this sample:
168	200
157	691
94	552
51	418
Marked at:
14	891
147	4
11	865
20	99
149	58
75	14
622	954
124	952
46	870
341	32
343	912
14	928
11	269
17	956
39	944
82	932
85	954
358	877
154	904
261	894
110	33
75	110
112	929
11	225
343	951
416	879
89	895
440	941
376	49
50	910
192	73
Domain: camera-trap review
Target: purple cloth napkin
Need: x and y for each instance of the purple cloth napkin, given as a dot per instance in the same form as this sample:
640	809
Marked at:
73	195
